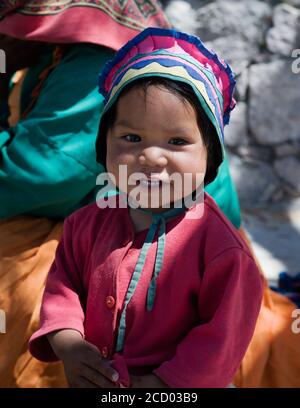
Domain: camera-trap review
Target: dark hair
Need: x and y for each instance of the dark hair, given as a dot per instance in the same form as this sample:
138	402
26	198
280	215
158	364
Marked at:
185	93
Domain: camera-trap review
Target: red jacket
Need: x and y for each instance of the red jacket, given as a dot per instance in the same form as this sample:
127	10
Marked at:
207	299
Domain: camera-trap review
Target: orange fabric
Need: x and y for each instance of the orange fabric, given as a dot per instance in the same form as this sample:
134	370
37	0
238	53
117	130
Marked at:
273	356
27	248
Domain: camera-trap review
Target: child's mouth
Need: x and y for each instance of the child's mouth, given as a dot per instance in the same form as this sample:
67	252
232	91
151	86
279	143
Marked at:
150	183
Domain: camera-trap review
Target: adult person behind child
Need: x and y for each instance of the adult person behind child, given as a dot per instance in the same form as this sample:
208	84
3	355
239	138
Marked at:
48	166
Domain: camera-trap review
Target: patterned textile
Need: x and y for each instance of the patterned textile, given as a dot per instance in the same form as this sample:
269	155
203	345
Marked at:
110	23
27	247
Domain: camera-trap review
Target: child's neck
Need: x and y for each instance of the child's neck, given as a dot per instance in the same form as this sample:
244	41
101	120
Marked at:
140	220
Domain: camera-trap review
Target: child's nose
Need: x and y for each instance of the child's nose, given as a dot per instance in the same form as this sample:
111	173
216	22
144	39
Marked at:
153	157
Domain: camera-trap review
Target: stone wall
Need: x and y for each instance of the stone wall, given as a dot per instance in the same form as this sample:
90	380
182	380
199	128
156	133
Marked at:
261	41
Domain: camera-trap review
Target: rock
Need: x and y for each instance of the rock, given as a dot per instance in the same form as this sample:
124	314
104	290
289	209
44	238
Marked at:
274	102
247	19
295	3
236	131
251	153
234	29
278	196
284	36
290	191
275	238
288	168
235	51
199	3
256	181
182	16
242	82
287	149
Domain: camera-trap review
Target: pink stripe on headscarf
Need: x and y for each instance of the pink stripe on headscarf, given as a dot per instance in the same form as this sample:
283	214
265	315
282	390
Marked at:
179	46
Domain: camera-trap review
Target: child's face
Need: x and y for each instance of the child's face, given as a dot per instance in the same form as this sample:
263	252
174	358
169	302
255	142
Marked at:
156	134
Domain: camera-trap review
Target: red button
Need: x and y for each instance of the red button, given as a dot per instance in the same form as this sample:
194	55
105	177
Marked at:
104	352
110	301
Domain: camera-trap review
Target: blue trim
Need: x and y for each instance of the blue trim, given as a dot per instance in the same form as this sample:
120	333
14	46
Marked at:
133	284
158	221
161	242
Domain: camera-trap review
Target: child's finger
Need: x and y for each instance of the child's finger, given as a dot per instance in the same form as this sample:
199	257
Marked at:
95	377
85	383
103	367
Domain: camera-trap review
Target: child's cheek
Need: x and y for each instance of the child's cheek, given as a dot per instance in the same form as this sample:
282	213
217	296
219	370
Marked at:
125	155
115	154
121	163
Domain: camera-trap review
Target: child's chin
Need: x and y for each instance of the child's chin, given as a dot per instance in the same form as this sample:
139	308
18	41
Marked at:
152	203
155	206
155	200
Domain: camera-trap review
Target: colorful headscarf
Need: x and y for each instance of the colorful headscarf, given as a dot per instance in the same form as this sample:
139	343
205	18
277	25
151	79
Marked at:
180	57
110	23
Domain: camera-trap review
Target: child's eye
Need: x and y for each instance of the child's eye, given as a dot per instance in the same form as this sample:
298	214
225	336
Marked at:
131	138
178	141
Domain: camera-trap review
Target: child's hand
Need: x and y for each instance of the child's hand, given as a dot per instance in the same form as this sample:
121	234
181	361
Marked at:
84	366
147	381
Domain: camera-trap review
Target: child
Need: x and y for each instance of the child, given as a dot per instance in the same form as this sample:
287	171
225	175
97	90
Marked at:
159	297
